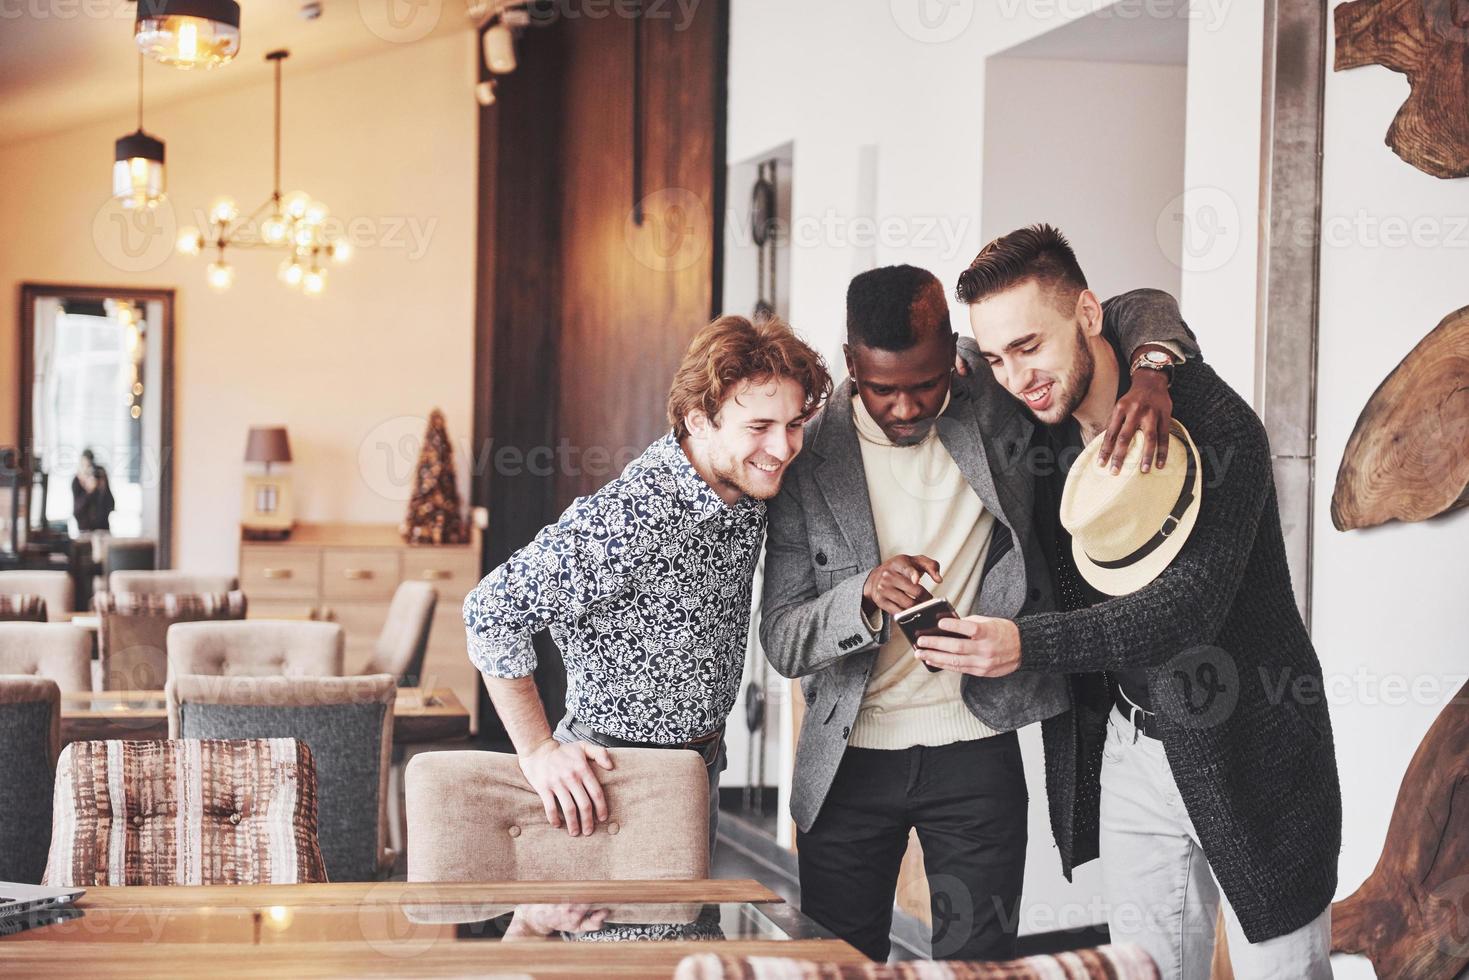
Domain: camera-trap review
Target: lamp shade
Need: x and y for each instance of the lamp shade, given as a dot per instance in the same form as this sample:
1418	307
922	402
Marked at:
268	444
188	33
137	171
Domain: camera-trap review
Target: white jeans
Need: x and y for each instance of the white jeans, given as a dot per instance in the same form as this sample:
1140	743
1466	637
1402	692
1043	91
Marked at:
1160	891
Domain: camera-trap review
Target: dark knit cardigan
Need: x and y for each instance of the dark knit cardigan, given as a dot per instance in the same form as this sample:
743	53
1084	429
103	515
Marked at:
1233	677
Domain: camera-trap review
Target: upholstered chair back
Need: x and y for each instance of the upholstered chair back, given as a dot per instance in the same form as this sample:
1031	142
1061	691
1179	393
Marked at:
473	817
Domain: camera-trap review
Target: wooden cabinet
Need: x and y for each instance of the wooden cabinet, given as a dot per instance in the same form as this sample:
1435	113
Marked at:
347	573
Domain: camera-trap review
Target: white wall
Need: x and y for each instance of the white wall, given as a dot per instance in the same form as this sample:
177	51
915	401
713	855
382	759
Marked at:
1389	617
388	142
1044	118
1124	123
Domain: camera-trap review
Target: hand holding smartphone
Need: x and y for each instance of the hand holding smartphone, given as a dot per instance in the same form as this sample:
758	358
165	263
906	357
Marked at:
923	620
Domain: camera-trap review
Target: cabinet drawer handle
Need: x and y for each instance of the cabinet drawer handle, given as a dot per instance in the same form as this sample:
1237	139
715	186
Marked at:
436	574
356	574
277	573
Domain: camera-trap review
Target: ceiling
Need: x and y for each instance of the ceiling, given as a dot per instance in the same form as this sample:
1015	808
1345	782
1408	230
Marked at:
64	63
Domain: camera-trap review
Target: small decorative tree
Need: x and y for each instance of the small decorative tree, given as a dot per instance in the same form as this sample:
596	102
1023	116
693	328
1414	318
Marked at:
433	510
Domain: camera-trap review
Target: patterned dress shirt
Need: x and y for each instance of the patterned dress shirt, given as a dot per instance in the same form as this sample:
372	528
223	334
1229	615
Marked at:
645	587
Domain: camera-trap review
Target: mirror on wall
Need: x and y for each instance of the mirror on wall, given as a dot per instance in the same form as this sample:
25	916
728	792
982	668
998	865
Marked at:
96	408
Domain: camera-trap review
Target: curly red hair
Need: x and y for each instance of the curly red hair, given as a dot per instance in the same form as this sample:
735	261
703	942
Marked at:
731	351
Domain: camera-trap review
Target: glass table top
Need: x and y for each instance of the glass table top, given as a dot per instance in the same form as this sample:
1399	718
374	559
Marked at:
401	928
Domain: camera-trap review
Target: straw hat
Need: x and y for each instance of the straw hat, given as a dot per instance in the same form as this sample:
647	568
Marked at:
1126	528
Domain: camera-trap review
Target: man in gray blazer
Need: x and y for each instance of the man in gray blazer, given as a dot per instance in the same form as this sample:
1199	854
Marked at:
914	472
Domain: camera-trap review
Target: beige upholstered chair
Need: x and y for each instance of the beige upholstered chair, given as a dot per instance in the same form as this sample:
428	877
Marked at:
347	722
169	580
55	587
247	809
57	651
404	637
134	627
473	817
255	648
30	736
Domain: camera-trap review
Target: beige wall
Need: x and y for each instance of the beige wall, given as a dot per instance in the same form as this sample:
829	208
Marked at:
388	142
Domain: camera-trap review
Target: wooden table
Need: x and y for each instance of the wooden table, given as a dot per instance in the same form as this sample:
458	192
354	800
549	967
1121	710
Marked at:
402	929
419	715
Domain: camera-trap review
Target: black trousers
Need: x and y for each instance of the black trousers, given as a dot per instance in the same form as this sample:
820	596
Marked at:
968	802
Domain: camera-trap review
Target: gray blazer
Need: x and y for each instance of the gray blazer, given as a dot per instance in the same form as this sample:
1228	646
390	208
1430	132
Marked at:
822	543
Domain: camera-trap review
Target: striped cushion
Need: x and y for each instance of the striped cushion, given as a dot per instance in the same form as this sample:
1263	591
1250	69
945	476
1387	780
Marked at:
185	812
172	605
134	627
1120	962
22	607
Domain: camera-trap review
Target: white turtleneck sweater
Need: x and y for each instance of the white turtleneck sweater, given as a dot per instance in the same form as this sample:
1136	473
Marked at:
921	505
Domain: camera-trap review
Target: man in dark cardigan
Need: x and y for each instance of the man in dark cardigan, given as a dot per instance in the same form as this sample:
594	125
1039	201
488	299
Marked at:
1197	756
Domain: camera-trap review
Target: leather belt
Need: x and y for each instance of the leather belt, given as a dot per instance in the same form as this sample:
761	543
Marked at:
706	745
1142	720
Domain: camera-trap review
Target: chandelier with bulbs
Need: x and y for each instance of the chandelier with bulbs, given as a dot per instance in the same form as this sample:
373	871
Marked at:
294	222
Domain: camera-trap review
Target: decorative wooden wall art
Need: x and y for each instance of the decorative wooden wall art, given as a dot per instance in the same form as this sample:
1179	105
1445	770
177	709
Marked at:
1411	915
1427	40
1408	458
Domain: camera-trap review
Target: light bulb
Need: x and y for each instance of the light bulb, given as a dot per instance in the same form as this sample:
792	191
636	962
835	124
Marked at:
499	49
274	230
221	275
484	93
304	235
296	203
188	47
190	241
184	40
290	272
223	211
316	213
313	282
340	250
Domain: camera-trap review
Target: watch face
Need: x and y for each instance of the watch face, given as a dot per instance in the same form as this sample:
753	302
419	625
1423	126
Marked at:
1157	357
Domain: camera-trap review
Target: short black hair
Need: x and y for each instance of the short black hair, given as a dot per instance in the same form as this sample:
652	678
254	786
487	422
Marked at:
893	307
1038	252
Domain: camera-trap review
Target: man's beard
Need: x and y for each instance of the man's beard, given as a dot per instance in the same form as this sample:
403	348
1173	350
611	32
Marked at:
1071	390
728	473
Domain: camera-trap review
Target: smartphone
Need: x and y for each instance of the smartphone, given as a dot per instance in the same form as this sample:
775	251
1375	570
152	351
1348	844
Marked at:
923	620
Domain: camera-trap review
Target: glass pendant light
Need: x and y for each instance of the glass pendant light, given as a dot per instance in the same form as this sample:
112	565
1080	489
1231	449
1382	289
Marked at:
137	167
188	33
